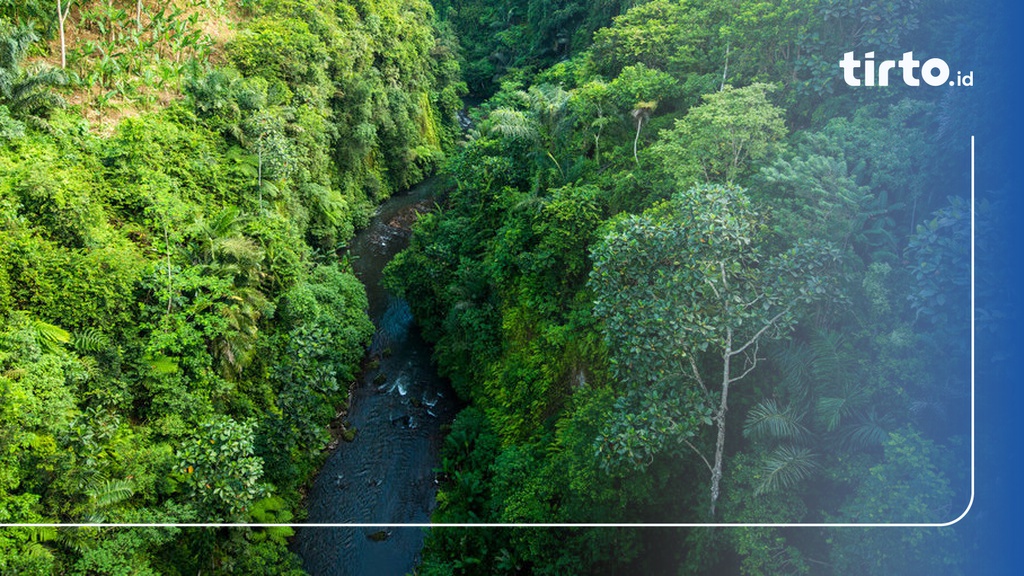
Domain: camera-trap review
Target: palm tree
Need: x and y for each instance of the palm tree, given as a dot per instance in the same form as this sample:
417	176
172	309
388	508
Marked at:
790	461
220	249
25	92
641	113
825	407
542	124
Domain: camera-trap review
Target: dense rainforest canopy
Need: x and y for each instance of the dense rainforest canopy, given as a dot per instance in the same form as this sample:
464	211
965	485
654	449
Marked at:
176	328
679	273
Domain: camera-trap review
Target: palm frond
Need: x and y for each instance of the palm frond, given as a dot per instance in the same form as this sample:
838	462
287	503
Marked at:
78	539
41	534
795	361
768	420
870	431
512	124
14	45
224	223
25	92
834	366
831	410
784	467
35	550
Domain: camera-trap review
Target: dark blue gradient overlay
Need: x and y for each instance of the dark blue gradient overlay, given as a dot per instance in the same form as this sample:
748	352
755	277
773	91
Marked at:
993	528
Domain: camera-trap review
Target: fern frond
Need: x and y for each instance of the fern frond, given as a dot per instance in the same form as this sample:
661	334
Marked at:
91	341
160	364
41	534
35	550
50	337
51	333
110	492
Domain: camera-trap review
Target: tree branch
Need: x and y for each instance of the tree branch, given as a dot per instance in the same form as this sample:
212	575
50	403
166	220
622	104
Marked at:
713	289
754	301
753	340
752	365
706	463
696	372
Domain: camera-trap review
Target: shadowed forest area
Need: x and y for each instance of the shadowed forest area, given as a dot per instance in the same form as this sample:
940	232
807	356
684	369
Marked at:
676	272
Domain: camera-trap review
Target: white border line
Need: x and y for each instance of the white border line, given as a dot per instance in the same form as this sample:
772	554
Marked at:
966	511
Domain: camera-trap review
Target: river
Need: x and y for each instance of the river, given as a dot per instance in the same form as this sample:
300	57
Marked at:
398	408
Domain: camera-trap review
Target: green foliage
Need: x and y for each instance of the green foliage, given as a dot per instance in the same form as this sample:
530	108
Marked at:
469	450
906	487
716	141
219	469
24	11
325	332
842	23
674	37
832	188
939	264
173	281
284	49
680	278
684	283
763	551
507	37
175	329
24	92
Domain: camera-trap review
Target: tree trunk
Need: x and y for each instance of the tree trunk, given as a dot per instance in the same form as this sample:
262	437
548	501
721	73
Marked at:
639	123
170	278
725	72
61	15
716	470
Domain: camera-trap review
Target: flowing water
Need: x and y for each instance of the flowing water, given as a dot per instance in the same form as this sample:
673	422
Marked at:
387	473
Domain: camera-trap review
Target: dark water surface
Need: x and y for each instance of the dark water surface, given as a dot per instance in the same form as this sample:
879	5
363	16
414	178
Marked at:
386	474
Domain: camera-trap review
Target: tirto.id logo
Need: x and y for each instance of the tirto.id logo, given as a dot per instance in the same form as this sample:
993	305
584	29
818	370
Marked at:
934	72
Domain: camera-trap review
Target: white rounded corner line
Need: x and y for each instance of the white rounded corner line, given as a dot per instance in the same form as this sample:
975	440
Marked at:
970	503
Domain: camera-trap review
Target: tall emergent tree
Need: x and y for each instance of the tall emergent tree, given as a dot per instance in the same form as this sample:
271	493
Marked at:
687	297
719	140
